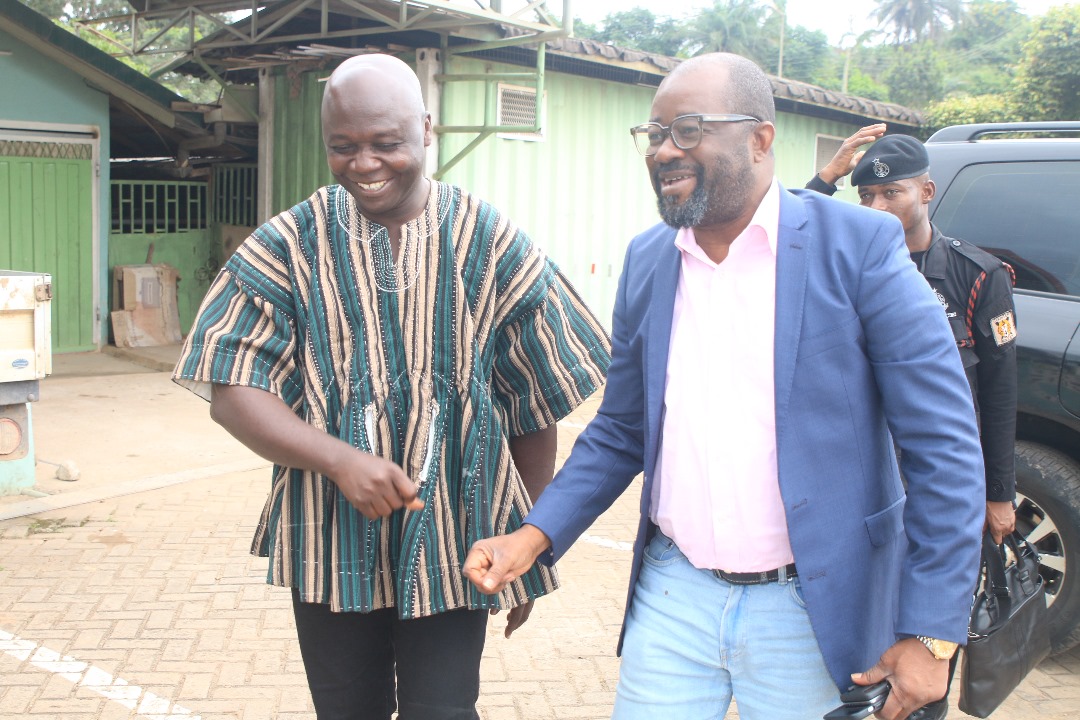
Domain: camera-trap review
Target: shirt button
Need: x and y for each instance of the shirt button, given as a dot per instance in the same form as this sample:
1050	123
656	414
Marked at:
956	243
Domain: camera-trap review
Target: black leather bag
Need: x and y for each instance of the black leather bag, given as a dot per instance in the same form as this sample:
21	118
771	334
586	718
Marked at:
1007	634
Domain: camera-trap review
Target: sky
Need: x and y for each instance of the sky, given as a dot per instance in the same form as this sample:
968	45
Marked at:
835	18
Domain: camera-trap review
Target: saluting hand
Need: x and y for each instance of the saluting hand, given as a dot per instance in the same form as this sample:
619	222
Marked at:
847	157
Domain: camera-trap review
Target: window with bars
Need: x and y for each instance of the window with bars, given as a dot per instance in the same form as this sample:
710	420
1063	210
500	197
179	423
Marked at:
235	200
517	106
825	148
143	207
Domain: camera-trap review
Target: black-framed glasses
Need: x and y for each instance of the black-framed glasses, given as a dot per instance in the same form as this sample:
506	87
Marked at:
685	131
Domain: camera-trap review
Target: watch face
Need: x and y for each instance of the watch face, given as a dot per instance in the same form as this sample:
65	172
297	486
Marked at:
942	649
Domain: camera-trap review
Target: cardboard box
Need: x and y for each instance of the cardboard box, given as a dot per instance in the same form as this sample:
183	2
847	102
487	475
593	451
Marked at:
144	305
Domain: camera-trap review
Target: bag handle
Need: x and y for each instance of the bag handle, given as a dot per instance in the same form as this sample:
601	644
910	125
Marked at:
999	604
999	600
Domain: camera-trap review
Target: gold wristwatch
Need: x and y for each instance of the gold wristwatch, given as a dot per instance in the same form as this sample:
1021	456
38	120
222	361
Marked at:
941	649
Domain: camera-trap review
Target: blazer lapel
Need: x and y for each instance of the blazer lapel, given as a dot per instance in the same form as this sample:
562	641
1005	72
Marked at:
658	340
792	245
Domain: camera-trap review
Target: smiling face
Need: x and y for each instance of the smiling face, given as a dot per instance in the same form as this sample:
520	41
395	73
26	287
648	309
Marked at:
719	182
375	130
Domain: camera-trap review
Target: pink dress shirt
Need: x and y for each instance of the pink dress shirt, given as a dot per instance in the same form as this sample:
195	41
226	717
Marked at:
716	493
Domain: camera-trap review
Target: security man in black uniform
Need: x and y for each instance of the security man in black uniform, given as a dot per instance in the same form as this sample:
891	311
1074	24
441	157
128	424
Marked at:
975	291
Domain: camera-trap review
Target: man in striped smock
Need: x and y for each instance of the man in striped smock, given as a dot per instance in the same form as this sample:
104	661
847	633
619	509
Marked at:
401	352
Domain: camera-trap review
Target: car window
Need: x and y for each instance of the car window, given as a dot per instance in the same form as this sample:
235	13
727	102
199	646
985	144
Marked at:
1026	213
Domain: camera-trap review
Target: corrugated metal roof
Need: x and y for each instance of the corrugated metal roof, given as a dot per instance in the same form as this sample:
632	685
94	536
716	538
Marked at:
578	56
783	88
140	108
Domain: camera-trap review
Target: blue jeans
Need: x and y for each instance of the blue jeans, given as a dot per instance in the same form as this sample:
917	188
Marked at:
693	641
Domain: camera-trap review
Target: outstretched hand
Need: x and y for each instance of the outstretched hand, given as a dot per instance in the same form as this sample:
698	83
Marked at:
493	563
916	676
848	156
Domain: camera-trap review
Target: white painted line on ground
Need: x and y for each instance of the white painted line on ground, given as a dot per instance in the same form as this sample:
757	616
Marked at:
81	674
604	542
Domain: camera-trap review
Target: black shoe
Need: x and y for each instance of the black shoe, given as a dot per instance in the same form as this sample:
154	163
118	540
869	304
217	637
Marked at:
936	710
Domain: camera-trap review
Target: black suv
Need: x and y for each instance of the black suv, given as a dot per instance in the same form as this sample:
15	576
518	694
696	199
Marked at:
1014	190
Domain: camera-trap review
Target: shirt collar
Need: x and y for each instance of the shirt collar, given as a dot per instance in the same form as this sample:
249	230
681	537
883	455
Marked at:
766	217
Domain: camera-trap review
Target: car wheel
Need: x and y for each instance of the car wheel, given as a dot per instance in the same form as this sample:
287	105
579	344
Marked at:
1048	516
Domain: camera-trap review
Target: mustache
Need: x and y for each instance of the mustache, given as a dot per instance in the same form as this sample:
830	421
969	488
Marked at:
674	166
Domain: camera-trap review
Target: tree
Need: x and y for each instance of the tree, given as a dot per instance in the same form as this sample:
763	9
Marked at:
917	20
637	28
734	26
914	74
966	110
1048	77
806	54
982	50
112	36
865	86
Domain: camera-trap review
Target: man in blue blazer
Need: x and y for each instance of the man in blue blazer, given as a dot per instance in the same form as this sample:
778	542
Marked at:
768	349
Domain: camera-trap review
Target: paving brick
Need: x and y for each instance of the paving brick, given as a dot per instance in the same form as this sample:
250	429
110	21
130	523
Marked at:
158	588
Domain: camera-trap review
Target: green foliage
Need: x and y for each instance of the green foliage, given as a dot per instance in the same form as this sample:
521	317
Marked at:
1048	77
865	86
917	20
586	30
989	31
637	28
734	26
858	83
806	54
983	48
915	75
965	110
115	38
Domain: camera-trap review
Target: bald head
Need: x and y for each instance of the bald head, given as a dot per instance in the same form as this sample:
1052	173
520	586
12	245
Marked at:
743	85
372	79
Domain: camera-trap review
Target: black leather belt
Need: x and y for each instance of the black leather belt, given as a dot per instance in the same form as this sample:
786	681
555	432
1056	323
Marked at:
755	578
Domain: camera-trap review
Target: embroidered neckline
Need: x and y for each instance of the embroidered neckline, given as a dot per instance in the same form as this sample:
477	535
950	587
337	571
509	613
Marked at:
388	273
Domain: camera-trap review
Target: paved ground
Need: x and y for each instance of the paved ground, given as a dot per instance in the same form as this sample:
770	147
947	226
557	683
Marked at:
130	593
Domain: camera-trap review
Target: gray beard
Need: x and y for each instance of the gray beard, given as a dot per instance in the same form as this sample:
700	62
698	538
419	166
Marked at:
687	215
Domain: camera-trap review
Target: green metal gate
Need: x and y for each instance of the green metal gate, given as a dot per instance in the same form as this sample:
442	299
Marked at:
46	225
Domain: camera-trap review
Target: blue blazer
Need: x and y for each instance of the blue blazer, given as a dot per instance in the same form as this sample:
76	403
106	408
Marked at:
863	357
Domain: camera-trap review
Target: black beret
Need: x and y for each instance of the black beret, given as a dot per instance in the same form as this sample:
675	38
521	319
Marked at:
893	157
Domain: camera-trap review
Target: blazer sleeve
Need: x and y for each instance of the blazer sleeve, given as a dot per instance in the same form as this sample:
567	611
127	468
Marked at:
928	407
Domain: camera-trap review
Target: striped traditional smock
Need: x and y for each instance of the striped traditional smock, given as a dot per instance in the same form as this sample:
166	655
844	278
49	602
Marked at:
434	361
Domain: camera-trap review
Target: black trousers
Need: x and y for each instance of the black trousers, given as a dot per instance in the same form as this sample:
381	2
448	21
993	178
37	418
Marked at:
350	660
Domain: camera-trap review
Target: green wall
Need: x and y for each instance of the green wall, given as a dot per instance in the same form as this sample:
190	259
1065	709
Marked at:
581	192
37	89
299	156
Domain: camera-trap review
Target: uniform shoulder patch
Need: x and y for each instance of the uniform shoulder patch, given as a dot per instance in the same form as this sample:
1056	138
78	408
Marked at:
1004	328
